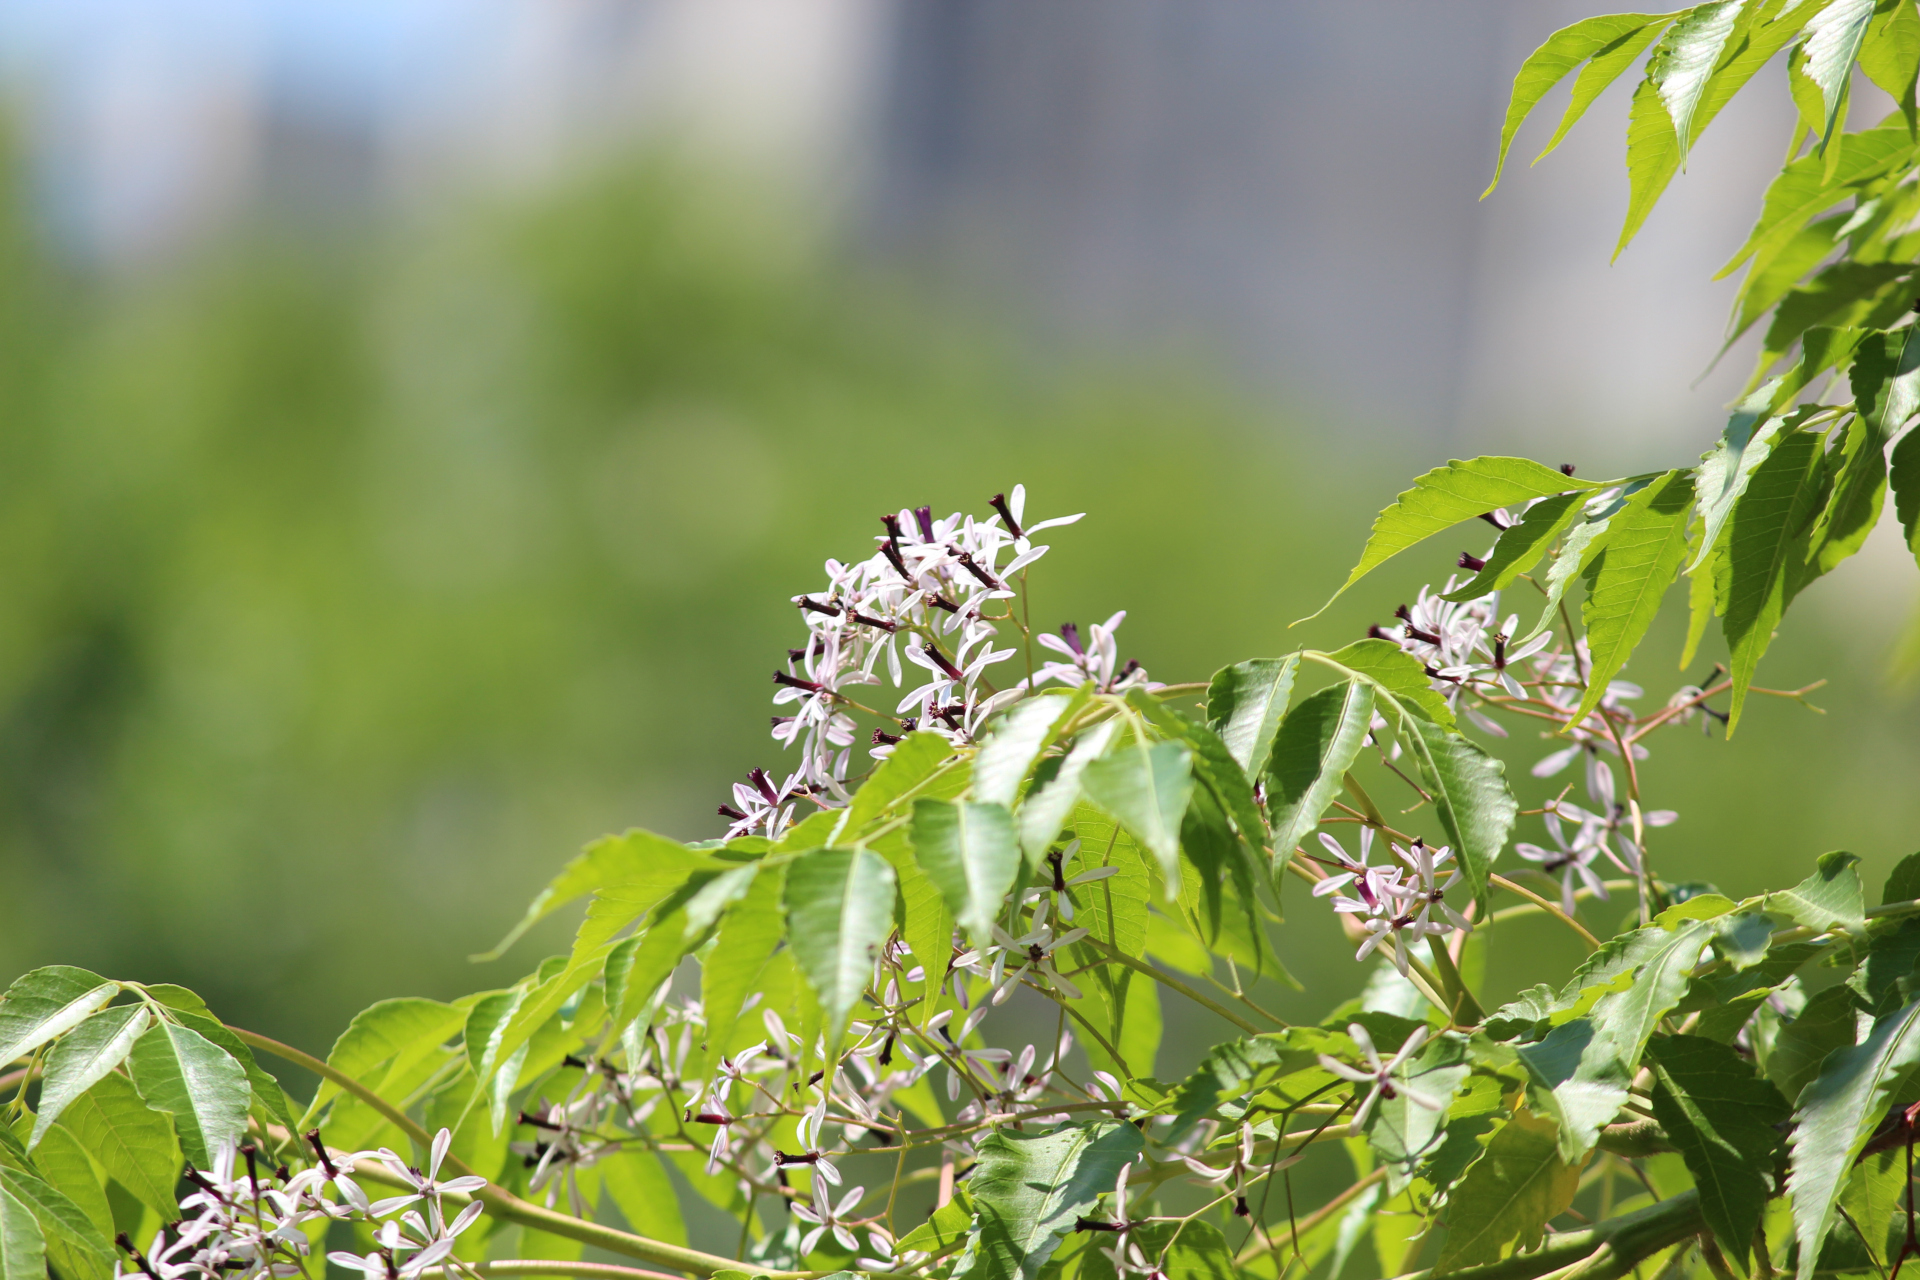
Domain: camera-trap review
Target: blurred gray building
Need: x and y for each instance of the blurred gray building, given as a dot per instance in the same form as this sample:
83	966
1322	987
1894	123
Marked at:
1281	190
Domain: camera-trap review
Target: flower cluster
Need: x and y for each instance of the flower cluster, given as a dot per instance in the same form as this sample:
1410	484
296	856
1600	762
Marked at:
923	614
243	1221
1393	901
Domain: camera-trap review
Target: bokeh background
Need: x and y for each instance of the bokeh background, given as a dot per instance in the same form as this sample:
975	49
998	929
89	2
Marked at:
416	414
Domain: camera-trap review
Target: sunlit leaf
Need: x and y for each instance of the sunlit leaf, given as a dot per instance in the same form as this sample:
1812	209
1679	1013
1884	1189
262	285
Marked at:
1245	704
1628	580
82	1056
1890	55
1049	803
1833	41
1445	496
1145	786
729	973
1013	744
1317	743
1684	60
46	1003
75	1246
1470	797
181	1072
131	1141
1903	477
1766	551
1508	1195
839	905
1802	191
968	851
1392	670
1836	1115
23	1252
1520	545
1028	1189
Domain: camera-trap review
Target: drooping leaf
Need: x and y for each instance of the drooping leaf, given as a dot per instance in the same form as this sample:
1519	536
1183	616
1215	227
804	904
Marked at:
1890	55
1048	805
1903	477
46	1003
1769	281
181	1072
1012	745
1317	743
1648	542
1841	296
1445	496
23	1251
1701	596
749	932
1836	1115
1608	44
1470	797
969	853
1028	1189
1853	503
1214	768
1766	551
1231	1068
1508	1195
1885	380
1245	704
1830	898
63	1162
1685	59
131	1141
1520	545
1903	882
1726	469
1803	189
1721	1116
839	905
269	1099
386	1039
1828	1023
1833	41
1884	977
1145	786
1392	670
86	1053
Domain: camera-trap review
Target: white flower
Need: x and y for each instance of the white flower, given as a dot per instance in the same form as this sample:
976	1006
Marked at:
1380	1075
828	1216
1570	860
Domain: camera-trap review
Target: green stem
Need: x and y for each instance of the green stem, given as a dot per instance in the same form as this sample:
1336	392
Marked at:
1605	1252
504	1204
1466	1011
1172	983
547	1267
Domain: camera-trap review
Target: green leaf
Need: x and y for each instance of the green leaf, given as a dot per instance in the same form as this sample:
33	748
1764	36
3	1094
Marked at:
1520	545
1012	745
82	1056
1214	767
1903	882
1187	1251
46	1003
1608	44
1803	189
1447	495
1836	1116
1853	505
23	1252
181	1072
1885	379
1401	1131
637	966
912	763
839	905
65	1163
1833	41
1029	1188
131	1141
1507	1196
1766	550
1903	477
1392	670
1721	1116
749	933
1830	898
969	853
1627	581
1701	596
268	1096
1145	786
944	1231
1770	280
1685	59
1317	743
1470	797
1584	542
1883	978
1890	56
390	1034
1231	1068
639	861
74	1244
1825	1025
1245	704
1049	803
636	1181
1844	294
1726	469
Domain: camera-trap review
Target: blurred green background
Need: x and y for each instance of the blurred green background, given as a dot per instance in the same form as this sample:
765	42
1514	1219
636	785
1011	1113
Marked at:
350	587
359	568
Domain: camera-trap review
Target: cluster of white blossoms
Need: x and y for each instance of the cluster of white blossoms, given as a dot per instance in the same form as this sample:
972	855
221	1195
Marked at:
923	614
1480	665
1393	903
239	1224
